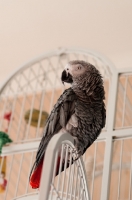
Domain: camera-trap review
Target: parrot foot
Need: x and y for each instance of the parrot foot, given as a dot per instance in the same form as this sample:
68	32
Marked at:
76	154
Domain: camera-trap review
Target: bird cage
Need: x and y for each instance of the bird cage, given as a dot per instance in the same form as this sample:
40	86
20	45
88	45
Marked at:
26	99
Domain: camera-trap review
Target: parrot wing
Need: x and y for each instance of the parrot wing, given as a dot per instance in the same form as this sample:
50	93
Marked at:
57	120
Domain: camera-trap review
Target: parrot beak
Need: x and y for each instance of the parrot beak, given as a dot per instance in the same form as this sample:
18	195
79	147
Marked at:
66	77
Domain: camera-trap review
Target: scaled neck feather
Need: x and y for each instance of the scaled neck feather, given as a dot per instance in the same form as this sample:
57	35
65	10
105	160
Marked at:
89	87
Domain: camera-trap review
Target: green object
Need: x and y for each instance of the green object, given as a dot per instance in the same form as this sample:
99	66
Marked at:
35	115
4	139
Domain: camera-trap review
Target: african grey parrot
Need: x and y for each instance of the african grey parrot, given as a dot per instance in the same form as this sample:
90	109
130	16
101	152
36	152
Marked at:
80	110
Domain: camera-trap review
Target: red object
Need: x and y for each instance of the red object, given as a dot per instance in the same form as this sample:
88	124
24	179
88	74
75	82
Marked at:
4	184
36	176
7	116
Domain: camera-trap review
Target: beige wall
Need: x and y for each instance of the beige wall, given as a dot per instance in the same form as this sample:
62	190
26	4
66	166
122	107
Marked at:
30	27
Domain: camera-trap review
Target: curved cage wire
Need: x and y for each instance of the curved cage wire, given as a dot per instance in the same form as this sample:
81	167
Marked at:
32	90
71	183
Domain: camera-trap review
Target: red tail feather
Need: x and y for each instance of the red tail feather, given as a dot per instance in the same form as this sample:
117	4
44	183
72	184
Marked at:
36	176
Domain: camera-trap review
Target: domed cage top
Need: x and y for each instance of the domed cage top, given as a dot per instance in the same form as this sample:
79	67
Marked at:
37	85
26	99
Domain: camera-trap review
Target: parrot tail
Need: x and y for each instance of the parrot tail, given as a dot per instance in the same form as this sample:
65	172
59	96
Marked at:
36	175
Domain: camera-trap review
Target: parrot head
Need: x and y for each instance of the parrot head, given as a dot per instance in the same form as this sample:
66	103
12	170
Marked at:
84	77
75	69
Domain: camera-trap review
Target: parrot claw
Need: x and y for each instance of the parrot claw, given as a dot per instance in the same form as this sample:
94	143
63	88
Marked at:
76	154
74	151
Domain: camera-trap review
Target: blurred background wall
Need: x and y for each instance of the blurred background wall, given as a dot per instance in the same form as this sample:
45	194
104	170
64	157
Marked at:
29	28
